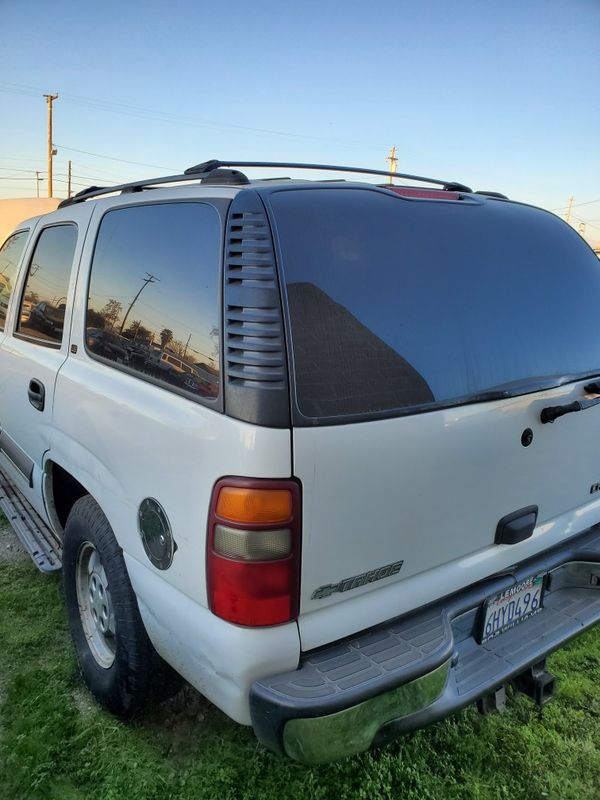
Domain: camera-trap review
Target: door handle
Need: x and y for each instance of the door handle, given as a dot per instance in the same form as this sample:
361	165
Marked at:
37	394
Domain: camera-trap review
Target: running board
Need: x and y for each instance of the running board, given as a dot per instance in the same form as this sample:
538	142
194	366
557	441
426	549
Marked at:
36	537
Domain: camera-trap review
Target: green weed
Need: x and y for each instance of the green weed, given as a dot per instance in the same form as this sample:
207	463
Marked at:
56	744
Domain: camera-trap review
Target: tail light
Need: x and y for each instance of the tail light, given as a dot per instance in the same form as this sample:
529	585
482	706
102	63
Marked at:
253	556
424	194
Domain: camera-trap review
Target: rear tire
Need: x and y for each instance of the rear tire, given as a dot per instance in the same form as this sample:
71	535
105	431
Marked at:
116	658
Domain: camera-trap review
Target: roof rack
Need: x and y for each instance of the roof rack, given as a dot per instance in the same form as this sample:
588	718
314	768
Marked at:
125	188
207	166
204	172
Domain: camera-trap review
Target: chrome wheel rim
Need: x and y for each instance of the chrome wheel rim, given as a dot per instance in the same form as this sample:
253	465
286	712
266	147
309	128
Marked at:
95	605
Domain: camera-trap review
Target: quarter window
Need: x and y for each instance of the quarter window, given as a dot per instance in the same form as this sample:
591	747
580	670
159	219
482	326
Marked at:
153	304
10	255
42	311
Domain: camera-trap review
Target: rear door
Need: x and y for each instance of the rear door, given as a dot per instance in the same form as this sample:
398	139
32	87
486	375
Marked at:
35	347
426	337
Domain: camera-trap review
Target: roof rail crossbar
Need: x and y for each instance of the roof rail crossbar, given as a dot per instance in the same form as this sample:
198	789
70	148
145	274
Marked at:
208	166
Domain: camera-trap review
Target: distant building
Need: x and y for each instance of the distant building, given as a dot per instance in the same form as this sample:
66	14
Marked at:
14	211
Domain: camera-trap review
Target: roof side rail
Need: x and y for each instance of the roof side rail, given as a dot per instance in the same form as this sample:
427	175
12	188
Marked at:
97	191
230	177
497	195
209	166
211	170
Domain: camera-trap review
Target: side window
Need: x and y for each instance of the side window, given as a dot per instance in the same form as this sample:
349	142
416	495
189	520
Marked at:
153	300
10	255
42	311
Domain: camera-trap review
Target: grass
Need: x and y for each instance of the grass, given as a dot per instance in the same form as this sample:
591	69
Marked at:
56	744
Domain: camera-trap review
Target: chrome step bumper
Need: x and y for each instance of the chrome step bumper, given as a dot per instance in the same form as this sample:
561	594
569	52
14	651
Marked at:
36	537
419	668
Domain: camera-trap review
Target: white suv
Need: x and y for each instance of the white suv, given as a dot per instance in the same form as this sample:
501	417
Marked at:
343	513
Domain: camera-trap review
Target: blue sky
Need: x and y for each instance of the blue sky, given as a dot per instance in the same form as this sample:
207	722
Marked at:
498	95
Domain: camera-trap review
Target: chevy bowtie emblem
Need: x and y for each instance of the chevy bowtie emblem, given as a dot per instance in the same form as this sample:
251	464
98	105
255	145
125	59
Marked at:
357	580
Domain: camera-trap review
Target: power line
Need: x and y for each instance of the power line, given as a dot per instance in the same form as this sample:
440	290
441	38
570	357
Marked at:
585	222
15	169
112	158
575	205
166	116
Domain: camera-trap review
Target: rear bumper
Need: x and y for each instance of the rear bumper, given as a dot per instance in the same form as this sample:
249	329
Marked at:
421	667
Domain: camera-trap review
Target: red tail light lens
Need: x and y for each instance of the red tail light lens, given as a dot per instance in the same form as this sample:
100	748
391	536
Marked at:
253	556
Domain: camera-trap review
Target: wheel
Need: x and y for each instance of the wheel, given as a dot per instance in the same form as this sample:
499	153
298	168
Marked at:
115	655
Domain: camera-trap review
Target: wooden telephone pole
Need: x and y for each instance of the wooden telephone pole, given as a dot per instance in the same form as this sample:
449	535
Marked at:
51	152
150	279
568	214
393	162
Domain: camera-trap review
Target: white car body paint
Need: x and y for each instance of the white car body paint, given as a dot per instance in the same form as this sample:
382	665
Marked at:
219	659
426	489
384	491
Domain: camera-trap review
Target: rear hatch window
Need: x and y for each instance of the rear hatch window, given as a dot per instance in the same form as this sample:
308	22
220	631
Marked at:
400	305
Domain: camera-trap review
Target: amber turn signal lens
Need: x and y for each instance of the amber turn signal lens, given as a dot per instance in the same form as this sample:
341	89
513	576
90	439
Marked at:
259	506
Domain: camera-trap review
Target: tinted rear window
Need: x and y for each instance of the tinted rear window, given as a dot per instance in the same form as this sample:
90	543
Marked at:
153	304
398	305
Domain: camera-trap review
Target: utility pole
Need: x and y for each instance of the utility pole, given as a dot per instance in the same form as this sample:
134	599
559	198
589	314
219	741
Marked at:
568	216
69	181
393	162
150	279
187	344
37	182
51	152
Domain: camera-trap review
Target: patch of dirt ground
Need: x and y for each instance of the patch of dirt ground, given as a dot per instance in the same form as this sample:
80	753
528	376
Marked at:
10	547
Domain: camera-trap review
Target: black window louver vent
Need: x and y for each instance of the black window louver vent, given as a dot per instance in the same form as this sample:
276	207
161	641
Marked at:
256	384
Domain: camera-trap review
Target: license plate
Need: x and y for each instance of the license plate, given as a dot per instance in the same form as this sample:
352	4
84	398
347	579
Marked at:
511	607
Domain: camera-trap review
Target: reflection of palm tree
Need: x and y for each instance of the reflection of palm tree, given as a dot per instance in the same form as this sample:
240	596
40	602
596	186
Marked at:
166	336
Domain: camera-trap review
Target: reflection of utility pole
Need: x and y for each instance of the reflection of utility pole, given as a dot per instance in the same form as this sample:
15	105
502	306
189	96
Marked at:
51	151
149	279
568	216
393	162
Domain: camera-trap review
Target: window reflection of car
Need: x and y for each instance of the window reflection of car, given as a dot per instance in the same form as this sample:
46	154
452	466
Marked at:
169	368
108	345
26	309
47	318
138	353
4	294
199	385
